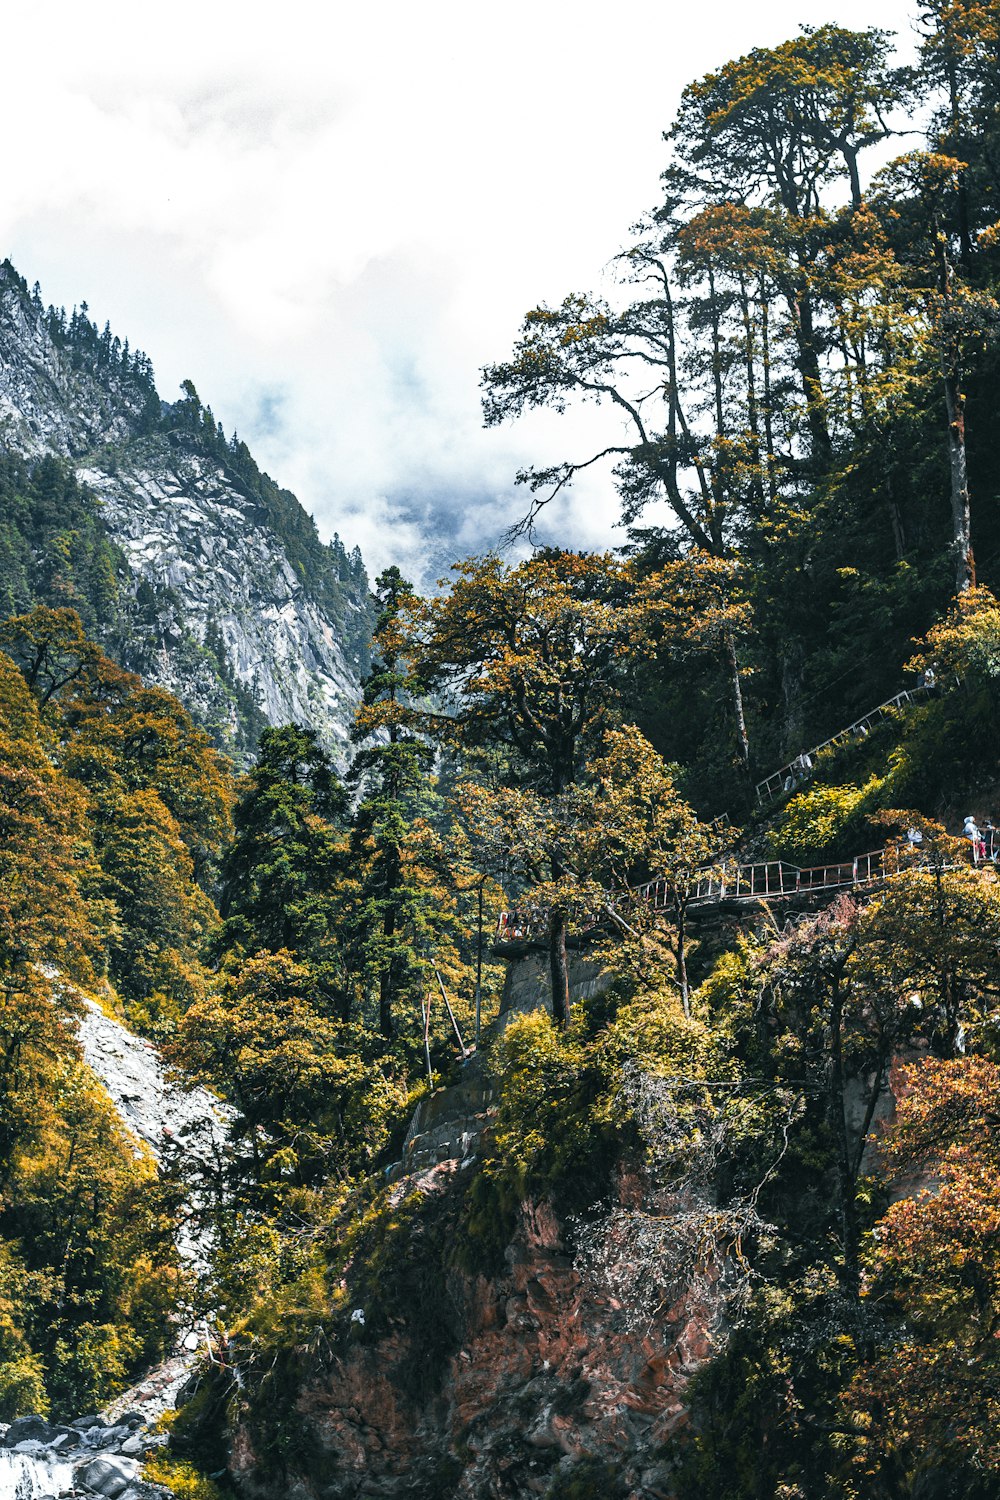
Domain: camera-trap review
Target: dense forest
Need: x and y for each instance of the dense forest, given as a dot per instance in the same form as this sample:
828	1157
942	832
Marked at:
790	1107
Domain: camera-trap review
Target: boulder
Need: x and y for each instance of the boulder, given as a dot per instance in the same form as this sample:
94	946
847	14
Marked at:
110	1477
30	1429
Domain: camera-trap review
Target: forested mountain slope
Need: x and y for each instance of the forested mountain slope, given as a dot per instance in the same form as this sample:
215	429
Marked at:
190	564
565	1160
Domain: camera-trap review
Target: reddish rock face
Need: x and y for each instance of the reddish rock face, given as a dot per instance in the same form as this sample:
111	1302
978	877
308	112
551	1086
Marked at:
550	1367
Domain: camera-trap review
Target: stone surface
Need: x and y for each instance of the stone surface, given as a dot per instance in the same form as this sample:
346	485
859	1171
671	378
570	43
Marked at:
446	1125
217	611
527	987
107	1476
547	1363
29	1427
172	1121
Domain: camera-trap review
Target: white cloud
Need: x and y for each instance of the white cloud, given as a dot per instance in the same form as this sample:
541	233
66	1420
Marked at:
331	217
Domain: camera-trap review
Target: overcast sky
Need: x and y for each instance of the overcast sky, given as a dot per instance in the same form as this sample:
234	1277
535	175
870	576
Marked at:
329	217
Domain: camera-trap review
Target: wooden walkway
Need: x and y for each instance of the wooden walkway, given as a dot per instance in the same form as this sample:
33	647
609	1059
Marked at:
770	880
797	771
776	879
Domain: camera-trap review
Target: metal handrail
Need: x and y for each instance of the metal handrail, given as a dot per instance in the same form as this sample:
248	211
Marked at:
768	880
772	786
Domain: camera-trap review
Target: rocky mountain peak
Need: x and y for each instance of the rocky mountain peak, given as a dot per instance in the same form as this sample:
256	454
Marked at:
224	592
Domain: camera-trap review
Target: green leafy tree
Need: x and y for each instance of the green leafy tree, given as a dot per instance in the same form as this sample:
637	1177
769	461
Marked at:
266	1039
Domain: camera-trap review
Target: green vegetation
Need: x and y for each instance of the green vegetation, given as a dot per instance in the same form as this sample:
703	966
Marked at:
805	363
86	1228
53	548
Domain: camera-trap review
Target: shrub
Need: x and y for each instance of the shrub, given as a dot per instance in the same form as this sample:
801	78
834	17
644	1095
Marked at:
822	817
182	1479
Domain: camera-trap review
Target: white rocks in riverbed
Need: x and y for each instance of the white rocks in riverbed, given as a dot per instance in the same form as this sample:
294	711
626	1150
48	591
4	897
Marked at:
110	1477
186	1123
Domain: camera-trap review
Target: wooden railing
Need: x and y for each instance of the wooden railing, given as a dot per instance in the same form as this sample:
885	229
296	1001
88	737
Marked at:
770	880
795	773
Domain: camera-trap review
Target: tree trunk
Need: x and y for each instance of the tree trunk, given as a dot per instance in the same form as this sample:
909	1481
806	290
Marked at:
559	965
682	972
800	307
479	966
850	1238
739	715
954	396
812	387
385	987
895	516
765	349
955	143
753	416
791	692
961	524
851	160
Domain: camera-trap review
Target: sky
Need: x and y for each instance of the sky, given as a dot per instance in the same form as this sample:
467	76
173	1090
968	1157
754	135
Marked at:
330	217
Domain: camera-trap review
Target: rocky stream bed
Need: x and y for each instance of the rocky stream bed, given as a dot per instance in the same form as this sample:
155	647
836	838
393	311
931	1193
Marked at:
102	1453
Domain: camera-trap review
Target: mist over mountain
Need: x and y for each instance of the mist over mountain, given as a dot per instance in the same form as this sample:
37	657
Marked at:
190	565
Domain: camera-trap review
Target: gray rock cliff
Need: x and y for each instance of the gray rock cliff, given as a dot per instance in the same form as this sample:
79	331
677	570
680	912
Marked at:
225	595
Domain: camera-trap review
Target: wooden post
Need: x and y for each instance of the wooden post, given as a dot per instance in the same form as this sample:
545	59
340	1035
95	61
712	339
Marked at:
451	1013
479	966
425	1006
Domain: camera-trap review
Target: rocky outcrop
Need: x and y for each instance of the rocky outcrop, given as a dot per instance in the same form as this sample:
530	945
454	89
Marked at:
187	1128
227	597
156	1108
41	1460
527	986
493	1385
222	584
447	1125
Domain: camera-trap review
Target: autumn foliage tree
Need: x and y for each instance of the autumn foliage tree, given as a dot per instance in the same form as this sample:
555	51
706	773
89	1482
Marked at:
86	1231
928	1403
534	659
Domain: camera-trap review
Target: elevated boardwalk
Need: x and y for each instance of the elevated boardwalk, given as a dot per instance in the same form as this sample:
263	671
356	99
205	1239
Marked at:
789	776
776	879
770	880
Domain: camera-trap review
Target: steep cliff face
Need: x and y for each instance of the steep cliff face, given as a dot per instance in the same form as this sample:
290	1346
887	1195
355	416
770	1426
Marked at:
225	594
542	1350
502	1384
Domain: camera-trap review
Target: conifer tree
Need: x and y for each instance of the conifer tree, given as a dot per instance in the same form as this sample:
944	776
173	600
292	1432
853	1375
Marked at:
281	873
402	907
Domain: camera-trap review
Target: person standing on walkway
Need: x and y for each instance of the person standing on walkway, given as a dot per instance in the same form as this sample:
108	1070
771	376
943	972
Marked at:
971	832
